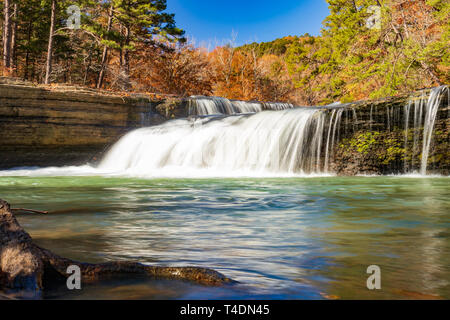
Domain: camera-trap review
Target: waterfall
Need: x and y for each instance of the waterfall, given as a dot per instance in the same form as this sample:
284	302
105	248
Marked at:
430	118
288	141
247	140
424	112
277	105
202	106
246	107
407	111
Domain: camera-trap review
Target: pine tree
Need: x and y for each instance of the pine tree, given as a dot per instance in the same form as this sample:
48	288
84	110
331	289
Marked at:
139	21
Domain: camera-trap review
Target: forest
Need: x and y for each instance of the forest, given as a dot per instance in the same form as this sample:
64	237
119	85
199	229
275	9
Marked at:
366	49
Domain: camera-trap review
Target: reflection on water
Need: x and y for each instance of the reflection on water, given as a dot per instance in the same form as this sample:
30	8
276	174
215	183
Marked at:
293	238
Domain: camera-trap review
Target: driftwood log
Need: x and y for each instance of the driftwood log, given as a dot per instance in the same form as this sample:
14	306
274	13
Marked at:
27	267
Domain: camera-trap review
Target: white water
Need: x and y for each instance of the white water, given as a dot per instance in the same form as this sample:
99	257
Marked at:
278	105
424	116
430	119
207	106
263	144
202	106
296	141
285	143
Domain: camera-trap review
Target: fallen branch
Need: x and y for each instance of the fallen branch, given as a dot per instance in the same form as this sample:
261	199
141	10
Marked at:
29	210
24	266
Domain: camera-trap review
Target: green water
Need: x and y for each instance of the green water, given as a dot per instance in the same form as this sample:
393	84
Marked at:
290	238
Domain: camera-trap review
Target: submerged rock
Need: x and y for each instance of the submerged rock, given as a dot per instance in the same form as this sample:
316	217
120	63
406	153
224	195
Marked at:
28	268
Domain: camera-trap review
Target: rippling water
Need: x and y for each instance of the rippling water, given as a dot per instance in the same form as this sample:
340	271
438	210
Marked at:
281	238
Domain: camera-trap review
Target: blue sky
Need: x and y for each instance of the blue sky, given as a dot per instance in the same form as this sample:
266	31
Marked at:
211	22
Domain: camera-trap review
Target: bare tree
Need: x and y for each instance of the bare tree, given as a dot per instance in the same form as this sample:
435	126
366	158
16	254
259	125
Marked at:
12	59
125	60
48	68
7	38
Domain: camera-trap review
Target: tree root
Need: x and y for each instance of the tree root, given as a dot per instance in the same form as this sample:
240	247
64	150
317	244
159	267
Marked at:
28	210
28	267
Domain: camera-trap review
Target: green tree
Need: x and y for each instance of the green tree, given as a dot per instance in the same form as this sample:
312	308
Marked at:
140	21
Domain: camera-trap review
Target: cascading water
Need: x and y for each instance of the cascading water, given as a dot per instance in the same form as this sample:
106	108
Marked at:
419	119
246	107
277	105
202	106
430	118
292	141
287	141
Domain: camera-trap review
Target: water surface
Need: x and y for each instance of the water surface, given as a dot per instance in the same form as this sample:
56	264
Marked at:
281	238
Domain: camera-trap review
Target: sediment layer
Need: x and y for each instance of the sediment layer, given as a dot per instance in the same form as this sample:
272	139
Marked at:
55	126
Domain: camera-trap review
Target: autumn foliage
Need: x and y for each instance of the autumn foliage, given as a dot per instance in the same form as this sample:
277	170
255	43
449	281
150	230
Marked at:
135	46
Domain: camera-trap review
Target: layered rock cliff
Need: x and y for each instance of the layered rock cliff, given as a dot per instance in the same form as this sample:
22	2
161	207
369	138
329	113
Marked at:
387	136
54	126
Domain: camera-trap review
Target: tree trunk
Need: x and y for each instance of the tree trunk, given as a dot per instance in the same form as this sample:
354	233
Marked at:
48	68
433	76
12	60
101	75
30	268
33	69
88	67
7	38
125	64
27	55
